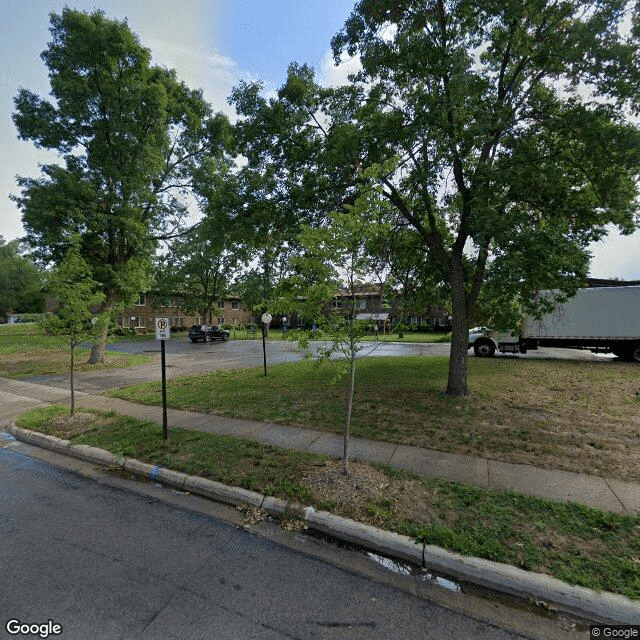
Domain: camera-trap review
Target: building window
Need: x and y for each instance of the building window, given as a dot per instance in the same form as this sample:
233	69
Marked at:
198	320
363	304
337	303
220	319
221	304
136	322
142	301
168	303
178	322
235	304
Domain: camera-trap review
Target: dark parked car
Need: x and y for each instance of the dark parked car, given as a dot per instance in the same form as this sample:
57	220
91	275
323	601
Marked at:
198	332
202	332
216	333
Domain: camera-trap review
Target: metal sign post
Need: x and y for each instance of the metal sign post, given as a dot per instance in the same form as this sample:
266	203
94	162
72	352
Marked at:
163	332
266	319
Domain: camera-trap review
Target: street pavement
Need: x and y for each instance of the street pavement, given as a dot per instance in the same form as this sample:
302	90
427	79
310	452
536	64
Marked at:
106	563
185	358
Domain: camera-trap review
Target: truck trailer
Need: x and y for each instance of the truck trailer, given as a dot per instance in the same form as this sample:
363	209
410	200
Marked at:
601	319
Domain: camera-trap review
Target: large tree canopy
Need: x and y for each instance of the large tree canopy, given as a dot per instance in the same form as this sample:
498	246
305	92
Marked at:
274	190
507	120
131	138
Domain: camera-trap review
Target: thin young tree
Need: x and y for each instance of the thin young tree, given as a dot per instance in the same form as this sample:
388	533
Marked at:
332	266
77	296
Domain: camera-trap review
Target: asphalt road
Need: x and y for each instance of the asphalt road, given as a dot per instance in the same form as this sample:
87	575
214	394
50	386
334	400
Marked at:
103	562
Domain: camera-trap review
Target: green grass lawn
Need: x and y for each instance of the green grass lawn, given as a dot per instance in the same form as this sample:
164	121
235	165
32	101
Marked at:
574	543
577	416
26	350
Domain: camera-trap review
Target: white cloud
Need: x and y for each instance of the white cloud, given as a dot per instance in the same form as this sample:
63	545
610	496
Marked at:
616	256
214	73
330	75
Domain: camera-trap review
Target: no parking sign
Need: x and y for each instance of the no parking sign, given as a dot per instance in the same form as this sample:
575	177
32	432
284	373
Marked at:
163	329
163	332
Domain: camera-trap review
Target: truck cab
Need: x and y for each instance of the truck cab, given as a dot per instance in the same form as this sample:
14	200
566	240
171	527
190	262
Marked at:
485	342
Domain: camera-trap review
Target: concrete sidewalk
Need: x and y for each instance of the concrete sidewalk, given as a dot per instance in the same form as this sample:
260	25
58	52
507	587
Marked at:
607	494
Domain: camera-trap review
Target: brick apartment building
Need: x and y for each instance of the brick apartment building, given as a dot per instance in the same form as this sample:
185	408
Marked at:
141	315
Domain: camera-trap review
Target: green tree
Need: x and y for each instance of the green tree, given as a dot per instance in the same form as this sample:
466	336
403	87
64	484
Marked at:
20	281
280	186
417	282
198	269
333	258
76	295
131	139
508	124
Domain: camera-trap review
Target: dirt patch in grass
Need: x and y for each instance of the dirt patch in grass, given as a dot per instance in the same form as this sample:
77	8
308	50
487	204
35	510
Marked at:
366	491
68	426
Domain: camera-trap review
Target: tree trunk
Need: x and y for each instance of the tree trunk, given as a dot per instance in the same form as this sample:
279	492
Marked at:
347	420
100	346
100	340
73	398
457	382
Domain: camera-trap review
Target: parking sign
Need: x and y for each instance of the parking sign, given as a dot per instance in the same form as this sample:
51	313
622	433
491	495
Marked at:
163	329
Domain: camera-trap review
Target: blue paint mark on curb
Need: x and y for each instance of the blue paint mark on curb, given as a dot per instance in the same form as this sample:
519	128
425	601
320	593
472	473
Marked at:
154	472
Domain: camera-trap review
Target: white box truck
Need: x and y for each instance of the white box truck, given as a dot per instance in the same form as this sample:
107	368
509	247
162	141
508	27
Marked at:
601	319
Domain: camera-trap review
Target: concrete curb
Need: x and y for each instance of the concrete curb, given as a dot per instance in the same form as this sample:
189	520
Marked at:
604	607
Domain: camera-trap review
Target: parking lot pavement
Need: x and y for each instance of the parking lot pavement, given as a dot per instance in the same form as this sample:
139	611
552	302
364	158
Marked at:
184	358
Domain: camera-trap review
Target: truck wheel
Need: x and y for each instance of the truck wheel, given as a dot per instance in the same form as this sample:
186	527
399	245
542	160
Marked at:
635	353
225	337
484	348
194	340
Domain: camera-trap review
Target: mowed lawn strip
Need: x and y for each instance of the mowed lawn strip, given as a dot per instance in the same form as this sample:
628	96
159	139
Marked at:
26	350
577	416
574	543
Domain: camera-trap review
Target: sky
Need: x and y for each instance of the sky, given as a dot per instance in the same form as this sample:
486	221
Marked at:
212	44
